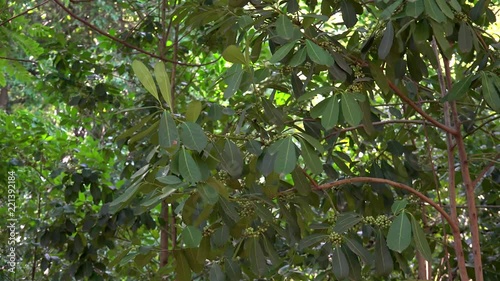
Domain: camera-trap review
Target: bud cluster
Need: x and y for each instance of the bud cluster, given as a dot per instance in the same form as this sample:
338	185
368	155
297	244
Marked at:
335	238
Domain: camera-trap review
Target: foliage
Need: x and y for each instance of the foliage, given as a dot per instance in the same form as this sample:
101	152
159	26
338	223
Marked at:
242	140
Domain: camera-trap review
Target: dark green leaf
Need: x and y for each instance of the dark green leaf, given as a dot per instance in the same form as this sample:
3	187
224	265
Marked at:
359	250
399	236
465	38
414	8
433	11
233	54
298	58
254	147
229	209
346	221
191	236
182	269
312	141
383	260
256	256
340	266
208	193
420	240
300	182
233	80
389	11
445	9
491	90
350	109
284	27
170	180
348	13
193	136
282	52
311	158
318	54
220	236
216	273
331	113
232	159
167	131
286	157
311	240
398	206
188	168
386	44
354	265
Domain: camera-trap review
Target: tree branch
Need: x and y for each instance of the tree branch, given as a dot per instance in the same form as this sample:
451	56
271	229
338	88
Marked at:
125	43
420	122
25	12
420	111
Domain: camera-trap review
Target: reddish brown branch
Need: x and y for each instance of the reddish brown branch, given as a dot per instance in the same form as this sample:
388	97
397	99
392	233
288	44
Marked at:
454	226
124	43
420	111
476	182
23	13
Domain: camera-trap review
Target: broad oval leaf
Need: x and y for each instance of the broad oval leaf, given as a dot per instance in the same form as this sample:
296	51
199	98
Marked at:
420	240
191	236
145	77
163	82
414	8
357	248
398	206
233	54
188	168
209	194
318	54
232	159
216	273
182	269
234	76
348	13
311	158
389	11
386	44
298	58
340	266
350	109
193	136
399	236
465	40
433	11
331	113
491	90
167	132
346	221
256	256
445	9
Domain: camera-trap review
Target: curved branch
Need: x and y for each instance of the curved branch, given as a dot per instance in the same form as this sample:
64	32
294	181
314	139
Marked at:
125	43
420	195
25	12
420	111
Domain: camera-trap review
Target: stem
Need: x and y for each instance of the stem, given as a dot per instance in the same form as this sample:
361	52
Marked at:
454	226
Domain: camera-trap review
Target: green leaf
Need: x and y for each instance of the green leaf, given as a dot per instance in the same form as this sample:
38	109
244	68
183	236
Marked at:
182	269
354	265
340	266
459	89
320	91
398	206
491	90
193	136
169	180
465	34
163	82
383	260
220	236
350	109
215	273
232	159
311	240
142	72
433	11
311	158
379	77
360	251
346	221
313	141
208	193
191	236
286	158
300	182
167	131
233	80
193	110
127	195
331	113
298	58
389	11
188	168
414	8
229	209
399	236
348	13
256	256
445	9
455	5
282	52
420	241
318	54
284	27
233	54
386	43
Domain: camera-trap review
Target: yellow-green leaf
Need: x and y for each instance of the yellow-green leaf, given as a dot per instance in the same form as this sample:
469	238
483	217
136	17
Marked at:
233	54
163	82
142	72
399	236
193	110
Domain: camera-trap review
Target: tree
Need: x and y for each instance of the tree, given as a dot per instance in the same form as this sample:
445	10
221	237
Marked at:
287	141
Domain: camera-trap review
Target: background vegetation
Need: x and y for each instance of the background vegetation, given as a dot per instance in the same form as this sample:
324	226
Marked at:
250	140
